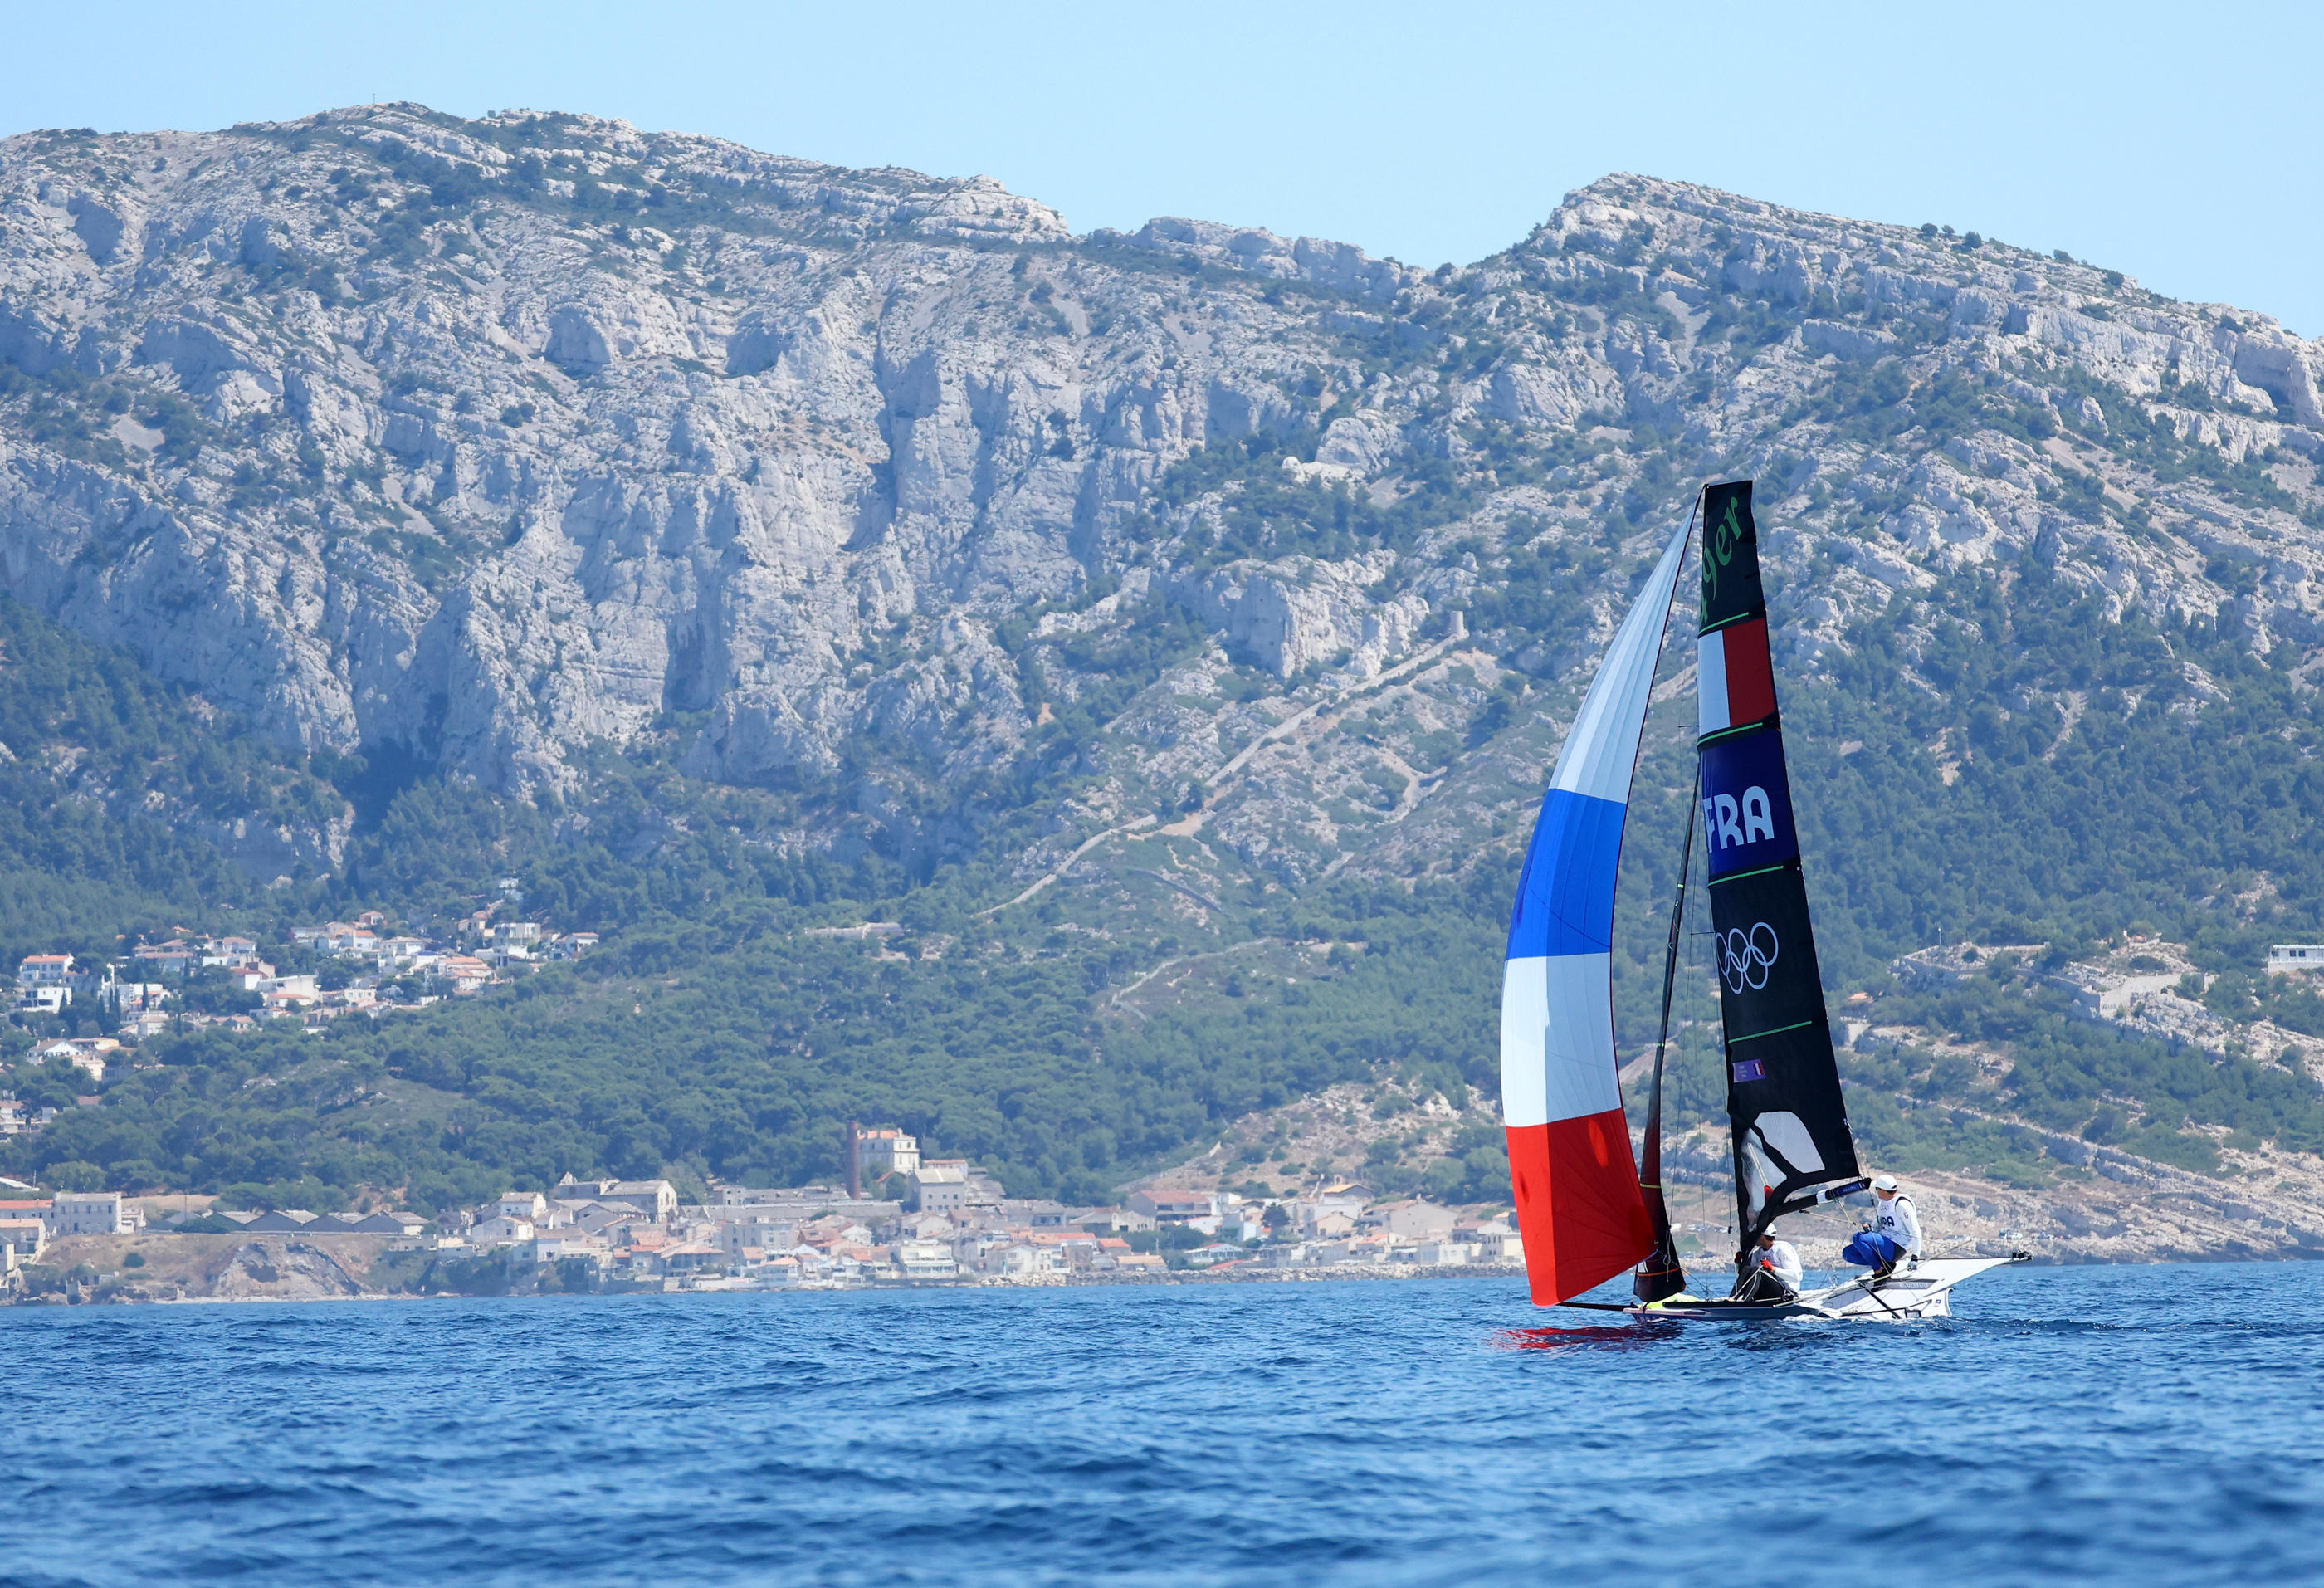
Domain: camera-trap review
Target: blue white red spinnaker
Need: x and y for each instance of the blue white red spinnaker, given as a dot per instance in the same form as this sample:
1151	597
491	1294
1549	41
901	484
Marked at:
1576	1183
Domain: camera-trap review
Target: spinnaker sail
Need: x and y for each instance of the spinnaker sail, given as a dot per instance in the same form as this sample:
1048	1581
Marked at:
1578	1201
1789	1122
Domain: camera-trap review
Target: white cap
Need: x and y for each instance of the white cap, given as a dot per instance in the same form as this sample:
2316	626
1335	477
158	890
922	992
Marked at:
1884	1183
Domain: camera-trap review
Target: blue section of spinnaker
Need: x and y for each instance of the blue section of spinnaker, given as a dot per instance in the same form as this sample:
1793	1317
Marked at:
1565	899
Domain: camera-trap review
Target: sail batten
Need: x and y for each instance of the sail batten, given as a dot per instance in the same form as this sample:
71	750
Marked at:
1579	1205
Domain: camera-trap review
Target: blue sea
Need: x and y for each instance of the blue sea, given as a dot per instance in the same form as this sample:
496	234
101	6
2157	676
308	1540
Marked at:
2085	1426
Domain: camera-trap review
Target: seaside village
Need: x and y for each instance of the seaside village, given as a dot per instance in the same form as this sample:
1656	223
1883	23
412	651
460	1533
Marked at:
951	1225
922	1222
92	1013
927	1221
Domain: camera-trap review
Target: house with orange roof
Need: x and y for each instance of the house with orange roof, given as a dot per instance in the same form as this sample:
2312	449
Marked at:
24	1227
44	970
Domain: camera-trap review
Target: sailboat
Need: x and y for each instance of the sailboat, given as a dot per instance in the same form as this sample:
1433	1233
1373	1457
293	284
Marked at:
1588	1210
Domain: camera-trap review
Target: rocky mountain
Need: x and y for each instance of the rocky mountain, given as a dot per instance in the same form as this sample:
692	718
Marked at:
645	491
492	440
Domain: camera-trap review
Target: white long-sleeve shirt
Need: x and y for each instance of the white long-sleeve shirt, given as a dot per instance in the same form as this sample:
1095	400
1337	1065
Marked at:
1893	1217
1782	1260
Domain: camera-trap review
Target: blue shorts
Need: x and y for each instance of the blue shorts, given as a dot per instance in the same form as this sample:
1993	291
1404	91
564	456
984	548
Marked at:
1871	1250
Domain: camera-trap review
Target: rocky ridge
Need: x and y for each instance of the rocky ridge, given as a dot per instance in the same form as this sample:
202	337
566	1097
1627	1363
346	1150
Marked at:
493	440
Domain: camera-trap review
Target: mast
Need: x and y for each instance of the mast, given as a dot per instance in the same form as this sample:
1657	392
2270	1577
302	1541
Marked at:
1663	1274
1785	1114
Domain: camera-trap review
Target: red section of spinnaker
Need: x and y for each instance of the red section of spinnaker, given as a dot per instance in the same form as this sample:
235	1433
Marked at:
1579	1206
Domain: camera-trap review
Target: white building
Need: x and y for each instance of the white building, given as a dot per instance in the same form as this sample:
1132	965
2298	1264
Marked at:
1499	1243
2286	958
1416	1219
927	1260
236	951
86	1052
89	1213
44	970
1024	1258
24	1226
886	1152
735	1235
657	1199
531	1206
501	1230
1171	1205
940	1187
466	972
173	958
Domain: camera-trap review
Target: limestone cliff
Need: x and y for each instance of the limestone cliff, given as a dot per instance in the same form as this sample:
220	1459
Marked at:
489	440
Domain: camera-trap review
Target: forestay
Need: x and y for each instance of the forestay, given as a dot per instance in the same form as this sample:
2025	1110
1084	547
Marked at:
1576	1184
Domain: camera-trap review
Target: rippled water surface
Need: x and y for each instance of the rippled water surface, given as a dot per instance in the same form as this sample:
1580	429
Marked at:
2135	1425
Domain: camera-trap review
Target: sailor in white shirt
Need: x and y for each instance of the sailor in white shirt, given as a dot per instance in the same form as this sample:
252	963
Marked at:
1892	1216
1781	1259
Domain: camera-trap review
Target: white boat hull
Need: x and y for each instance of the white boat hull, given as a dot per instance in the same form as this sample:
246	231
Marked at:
1923	1291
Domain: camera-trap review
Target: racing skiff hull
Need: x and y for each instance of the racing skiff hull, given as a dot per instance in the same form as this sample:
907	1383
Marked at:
1923	1291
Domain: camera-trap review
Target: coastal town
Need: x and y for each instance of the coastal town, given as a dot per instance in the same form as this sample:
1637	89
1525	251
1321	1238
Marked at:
903	1218
92	1012
952	1225
897	1218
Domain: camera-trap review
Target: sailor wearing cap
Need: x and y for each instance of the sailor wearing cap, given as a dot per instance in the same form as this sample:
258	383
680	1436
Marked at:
1892	1216
1894	1234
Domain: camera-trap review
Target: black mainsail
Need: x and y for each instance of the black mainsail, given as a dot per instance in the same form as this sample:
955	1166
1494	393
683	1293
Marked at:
1792	1149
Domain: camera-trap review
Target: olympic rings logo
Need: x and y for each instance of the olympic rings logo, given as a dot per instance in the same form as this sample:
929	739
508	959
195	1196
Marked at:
1746	957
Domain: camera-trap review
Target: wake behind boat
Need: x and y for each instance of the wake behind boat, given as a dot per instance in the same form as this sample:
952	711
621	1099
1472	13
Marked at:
1587	1208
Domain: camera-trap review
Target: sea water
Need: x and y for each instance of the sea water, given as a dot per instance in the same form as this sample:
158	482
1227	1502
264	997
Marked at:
2117	1424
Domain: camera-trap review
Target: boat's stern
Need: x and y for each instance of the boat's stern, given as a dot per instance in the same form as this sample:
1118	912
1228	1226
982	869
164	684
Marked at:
1923	1291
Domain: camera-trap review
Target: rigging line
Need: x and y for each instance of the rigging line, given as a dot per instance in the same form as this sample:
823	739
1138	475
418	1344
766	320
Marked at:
1670	968
1872	1293
1663	1263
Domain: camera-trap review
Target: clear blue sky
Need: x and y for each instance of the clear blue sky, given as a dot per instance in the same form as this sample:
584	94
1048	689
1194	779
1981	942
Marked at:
2181	145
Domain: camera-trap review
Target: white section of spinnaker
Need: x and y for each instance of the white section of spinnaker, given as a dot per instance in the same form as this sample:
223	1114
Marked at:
1602	748
1557	1038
